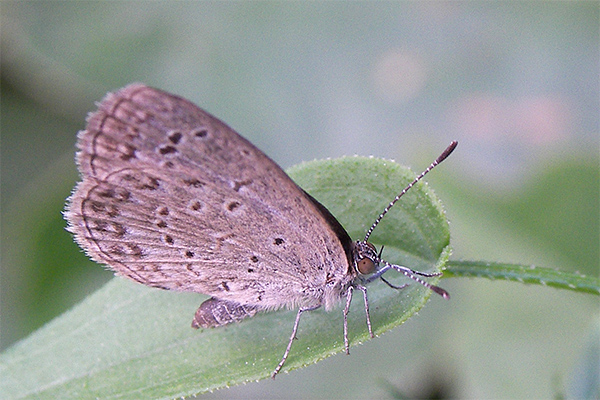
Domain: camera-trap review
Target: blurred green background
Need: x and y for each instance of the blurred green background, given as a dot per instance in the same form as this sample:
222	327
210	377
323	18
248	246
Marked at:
515	82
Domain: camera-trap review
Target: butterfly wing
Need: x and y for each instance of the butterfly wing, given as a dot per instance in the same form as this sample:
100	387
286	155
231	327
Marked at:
173	198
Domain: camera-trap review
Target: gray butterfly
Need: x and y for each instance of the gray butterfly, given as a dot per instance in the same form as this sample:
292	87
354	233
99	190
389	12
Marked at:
173	198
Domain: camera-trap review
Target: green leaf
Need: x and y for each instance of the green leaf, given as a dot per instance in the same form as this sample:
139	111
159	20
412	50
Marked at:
127	340
523	273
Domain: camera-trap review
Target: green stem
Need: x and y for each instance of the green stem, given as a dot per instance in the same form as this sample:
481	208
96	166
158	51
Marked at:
523	273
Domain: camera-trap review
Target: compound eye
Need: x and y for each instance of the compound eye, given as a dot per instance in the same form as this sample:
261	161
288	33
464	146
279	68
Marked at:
366	266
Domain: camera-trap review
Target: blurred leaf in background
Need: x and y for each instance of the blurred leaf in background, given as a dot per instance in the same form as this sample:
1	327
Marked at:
516	83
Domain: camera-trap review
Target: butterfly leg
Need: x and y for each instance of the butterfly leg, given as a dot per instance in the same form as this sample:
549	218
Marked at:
377	274
410	273
392	285
347	310
214	312
289	346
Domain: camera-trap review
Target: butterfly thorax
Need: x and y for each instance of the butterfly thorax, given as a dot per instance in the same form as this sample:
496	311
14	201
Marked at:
335	289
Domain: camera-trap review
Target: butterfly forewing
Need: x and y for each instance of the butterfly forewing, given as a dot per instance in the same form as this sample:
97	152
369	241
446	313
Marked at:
172	197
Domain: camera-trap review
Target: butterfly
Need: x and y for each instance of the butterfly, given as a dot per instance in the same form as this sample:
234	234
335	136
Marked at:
173	198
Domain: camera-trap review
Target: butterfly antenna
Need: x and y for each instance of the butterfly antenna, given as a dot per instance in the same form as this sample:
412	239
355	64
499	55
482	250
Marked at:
438	160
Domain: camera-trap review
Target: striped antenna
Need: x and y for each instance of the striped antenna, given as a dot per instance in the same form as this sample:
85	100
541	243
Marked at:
438	160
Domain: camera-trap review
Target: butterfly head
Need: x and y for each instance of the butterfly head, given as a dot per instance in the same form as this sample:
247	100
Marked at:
366	259
369	265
